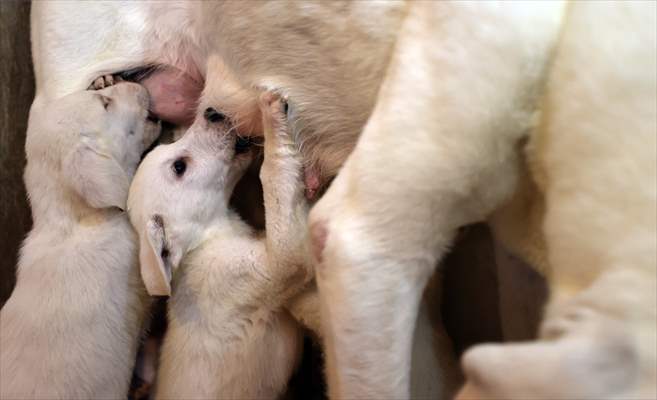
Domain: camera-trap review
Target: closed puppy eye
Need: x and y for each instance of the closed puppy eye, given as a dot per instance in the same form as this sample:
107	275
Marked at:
105	101
179	167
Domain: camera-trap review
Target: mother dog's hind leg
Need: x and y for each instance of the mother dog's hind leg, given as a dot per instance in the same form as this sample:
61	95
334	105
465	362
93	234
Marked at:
597	150
438	152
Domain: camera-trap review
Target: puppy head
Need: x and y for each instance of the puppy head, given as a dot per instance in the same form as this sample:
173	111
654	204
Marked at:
182	189
94	140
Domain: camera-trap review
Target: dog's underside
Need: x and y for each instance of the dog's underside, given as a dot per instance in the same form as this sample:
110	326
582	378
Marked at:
537	117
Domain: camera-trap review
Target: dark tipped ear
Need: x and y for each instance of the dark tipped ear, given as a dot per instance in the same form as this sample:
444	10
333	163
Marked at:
158	258
96	176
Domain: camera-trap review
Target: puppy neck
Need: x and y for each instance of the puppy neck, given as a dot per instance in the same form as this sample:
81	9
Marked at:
212	240
57	209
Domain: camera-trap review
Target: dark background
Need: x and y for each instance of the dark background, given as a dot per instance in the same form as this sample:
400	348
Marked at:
16	93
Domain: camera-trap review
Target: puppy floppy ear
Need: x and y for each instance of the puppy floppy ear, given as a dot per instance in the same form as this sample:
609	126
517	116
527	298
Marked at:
96	176
158	257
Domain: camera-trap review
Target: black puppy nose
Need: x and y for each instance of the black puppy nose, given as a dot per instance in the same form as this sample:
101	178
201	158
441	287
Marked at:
212	115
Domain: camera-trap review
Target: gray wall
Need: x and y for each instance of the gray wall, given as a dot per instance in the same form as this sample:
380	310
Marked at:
16	93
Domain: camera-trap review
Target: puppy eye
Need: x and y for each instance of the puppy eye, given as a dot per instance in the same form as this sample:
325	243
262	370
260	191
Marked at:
179	166
105	101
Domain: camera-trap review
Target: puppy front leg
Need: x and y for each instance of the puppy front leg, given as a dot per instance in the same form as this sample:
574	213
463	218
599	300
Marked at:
438	152
286	210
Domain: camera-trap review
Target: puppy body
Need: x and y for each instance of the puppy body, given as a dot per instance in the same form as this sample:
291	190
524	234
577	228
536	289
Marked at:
71	327
228	336
220	343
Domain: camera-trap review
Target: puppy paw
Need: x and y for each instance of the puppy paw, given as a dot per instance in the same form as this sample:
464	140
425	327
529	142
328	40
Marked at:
274	120
282	166
104	81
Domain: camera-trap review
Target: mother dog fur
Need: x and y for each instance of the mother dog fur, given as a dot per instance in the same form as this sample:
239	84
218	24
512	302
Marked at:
329	59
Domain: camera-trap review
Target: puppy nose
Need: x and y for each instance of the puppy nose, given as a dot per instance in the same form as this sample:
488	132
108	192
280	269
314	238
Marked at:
214	116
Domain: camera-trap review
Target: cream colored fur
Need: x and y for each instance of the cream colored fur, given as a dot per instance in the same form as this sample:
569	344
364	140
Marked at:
71	326
593	156
594	159
464	85
327	77
228	336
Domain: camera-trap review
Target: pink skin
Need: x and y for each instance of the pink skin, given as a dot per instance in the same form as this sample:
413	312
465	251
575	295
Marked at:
174	94
312	182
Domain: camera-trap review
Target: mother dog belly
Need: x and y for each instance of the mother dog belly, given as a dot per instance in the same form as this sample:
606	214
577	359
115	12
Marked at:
73	43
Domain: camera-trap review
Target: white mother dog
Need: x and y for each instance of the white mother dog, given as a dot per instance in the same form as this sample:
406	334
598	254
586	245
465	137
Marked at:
458	87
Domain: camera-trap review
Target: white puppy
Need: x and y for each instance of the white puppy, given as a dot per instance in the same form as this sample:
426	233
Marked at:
71	327
227	335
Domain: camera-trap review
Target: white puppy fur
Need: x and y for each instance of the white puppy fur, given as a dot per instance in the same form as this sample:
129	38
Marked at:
71	327
462	89
228	336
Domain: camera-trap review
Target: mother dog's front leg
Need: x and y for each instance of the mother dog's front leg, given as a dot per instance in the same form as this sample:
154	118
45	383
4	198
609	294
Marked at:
438	152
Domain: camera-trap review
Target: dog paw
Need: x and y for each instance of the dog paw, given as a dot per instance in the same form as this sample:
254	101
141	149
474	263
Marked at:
589	354
282	164
274	118
104	81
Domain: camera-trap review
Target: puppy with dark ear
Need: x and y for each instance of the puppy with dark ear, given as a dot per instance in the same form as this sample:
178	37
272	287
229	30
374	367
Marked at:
78	297
158	257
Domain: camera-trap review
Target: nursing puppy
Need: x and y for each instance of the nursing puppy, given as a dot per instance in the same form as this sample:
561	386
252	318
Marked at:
228	336
71	327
